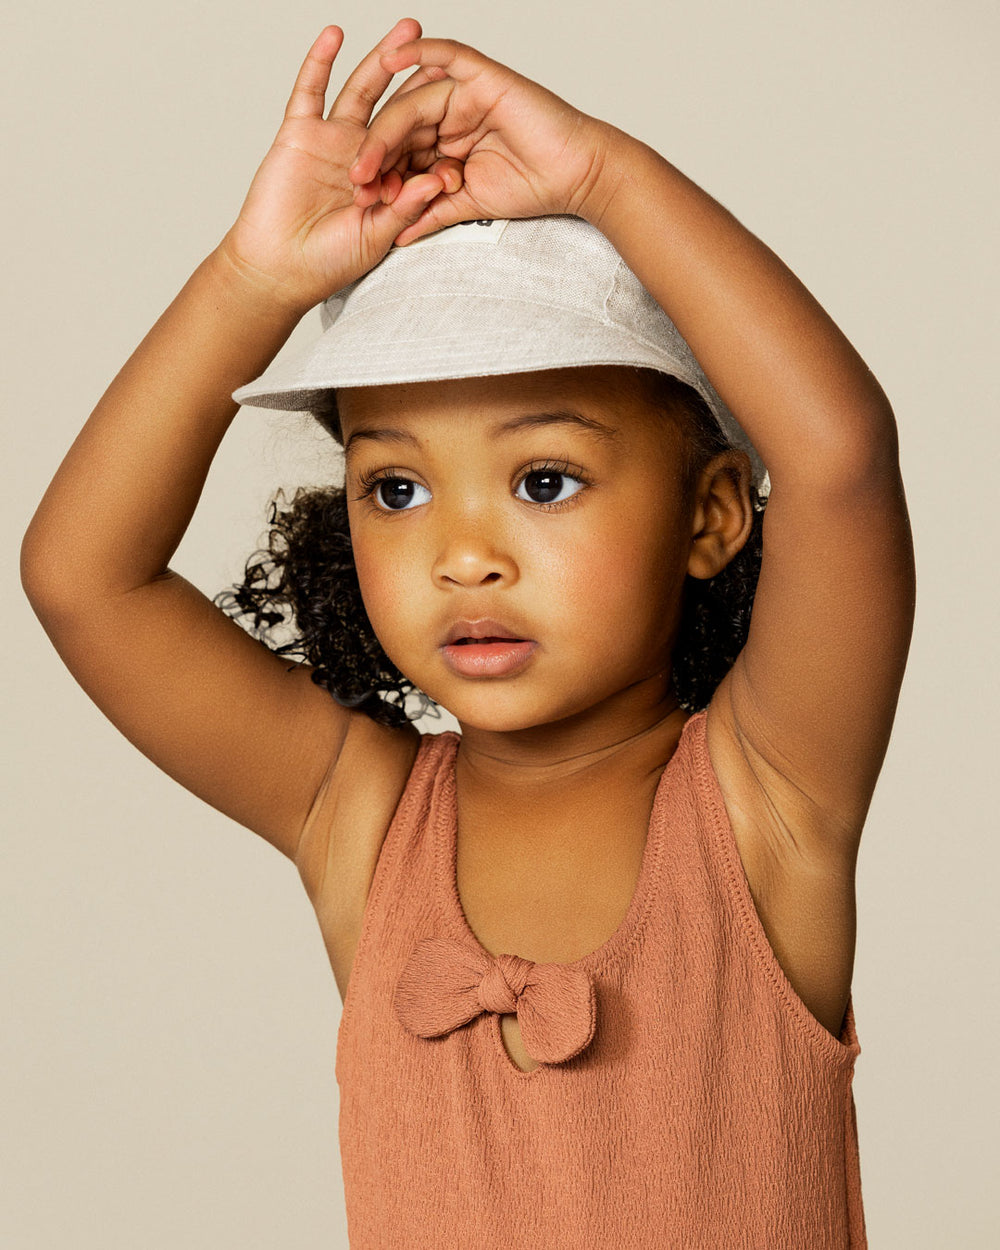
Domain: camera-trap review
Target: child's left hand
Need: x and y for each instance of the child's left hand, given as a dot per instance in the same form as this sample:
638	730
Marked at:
526	152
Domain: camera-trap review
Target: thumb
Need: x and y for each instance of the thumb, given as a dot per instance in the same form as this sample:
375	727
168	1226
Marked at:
413	198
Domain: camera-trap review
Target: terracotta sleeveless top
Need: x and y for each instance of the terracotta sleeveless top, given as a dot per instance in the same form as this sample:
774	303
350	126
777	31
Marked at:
685	1098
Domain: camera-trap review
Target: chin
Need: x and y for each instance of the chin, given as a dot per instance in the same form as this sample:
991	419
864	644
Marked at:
489	715
491	709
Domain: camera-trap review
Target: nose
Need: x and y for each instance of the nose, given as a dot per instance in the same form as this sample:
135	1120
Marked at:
473	551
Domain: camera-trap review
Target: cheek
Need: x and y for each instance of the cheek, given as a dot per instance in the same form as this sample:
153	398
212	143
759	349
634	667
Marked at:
615	575
382	576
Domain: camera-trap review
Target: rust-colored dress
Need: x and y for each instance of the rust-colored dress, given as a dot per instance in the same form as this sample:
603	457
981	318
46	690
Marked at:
685	1098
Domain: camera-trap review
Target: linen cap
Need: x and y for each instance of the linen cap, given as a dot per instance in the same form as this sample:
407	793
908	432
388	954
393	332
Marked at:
483	298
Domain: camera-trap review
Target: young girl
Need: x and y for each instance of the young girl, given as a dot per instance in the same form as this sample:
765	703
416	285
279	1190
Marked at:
596	949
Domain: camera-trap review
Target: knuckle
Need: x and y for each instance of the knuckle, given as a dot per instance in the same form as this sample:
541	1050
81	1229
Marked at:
366	93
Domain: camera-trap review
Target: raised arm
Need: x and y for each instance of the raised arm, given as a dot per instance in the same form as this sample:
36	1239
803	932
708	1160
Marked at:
811	697
218	711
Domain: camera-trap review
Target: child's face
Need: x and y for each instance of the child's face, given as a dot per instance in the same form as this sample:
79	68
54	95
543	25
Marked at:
458	528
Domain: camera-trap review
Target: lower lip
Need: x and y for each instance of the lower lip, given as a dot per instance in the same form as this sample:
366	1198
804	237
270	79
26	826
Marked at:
487	659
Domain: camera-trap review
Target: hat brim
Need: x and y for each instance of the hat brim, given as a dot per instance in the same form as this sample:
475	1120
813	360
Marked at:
461	336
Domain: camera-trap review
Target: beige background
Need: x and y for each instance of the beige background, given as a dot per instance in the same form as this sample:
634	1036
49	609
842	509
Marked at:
169	1017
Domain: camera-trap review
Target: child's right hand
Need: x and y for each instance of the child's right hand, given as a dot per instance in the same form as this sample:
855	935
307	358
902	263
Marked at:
300	235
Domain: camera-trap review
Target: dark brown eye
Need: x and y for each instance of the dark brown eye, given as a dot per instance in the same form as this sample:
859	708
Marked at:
393	494
547	485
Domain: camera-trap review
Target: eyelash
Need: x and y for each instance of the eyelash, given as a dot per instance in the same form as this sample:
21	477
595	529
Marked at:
369	483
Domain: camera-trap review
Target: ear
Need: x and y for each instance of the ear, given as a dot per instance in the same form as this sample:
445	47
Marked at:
723	515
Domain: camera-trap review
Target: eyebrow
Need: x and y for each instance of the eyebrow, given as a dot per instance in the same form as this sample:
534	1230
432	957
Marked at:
529	420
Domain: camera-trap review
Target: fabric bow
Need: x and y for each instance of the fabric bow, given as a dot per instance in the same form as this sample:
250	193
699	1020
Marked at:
446	984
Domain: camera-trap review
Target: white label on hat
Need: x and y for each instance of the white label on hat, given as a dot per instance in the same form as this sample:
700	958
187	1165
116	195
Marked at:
465	232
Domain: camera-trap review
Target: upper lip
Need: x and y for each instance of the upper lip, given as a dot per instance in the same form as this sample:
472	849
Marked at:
483	628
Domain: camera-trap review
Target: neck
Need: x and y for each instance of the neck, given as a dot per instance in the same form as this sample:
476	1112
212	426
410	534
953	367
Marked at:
632	732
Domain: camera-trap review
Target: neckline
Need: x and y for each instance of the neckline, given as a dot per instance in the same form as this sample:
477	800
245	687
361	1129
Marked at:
446	850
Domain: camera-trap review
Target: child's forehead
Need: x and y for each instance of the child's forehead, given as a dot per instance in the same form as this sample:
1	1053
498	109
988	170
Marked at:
617	392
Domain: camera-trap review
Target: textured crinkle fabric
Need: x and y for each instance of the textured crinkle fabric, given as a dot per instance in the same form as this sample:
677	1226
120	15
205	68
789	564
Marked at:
446	983
706	1108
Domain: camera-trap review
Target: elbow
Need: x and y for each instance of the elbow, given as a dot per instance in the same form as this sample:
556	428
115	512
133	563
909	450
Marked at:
33	579
860	438
41	581
845	457
875	453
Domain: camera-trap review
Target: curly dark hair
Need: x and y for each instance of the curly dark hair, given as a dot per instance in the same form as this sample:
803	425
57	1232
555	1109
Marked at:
304	581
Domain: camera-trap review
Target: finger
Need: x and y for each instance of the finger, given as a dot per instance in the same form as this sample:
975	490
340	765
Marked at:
420	152
389	220
458	60
440	212
309	93
370	193
405	168
392	184
408	122
418	78
365	85
451	172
